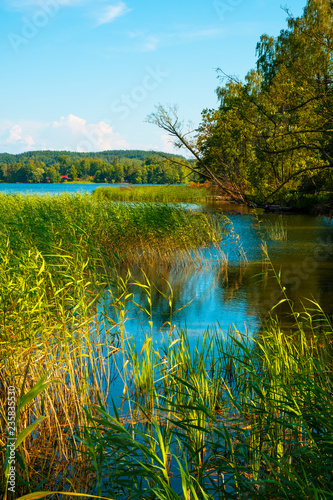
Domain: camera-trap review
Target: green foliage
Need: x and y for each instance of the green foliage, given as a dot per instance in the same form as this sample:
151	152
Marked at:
235	417
273	133
56	258
136	167
137	232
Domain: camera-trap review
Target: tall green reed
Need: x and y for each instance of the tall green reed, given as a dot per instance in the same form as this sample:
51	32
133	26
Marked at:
164	194
52	322
241	417
138	233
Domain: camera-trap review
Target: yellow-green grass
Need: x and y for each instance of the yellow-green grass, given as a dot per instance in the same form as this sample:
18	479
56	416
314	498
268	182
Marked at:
136	232
56	260
53	333
170	194
235	416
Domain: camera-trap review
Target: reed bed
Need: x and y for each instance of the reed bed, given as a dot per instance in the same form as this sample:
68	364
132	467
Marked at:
135	233
235	416
160	194
276	230
57	339
55	344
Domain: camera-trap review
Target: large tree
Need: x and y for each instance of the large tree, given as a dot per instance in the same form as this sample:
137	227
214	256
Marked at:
272	134
276	129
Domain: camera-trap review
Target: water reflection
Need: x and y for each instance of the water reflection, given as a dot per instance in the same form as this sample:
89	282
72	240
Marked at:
247	291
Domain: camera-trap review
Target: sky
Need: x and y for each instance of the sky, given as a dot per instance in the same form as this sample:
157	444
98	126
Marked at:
83	75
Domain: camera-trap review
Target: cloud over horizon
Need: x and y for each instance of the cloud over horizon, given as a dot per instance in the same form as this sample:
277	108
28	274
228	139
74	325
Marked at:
70	133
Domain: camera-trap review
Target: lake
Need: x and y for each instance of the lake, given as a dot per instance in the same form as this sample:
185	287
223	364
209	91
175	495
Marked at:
50	188
243	295
240	294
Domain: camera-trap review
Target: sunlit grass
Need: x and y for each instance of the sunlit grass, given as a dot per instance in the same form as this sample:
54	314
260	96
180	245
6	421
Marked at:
234	416
185	194
276	229
138	233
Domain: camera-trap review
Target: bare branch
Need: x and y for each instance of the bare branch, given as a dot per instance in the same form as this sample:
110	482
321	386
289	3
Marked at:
167	119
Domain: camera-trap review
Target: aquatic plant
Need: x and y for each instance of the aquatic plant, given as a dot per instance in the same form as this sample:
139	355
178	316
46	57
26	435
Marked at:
53	328
137	233
164	194
276	229
238	416
235	416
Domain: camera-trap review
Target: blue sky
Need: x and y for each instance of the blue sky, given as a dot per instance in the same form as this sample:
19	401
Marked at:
84	74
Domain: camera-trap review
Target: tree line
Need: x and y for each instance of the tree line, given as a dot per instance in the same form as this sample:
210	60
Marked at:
139	168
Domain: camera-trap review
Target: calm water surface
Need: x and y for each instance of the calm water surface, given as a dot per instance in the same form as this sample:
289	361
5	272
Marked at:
243	295
50	188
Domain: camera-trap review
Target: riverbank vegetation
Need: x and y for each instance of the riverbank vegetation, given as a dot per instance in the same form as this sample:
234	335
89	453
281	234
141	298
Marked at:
270	140
93	406
60	296
133	233
234	416
166	194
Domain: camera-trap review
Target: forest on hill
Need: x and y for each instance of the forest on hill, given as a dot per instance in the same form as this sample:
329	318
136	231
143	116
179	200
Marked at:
118	166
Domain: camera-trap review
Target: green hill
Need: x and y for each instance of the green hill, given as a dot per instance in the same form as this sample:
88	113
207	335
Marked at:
116	166
51	157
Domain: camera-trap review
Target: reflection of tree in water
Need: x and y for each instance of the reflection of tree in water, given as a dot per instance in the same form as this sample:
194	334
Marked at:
245	291
233	281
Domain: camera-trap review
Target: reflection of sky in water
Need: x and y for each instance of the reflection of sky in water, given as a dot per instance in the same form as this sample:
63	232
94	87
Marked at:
210	305
241	296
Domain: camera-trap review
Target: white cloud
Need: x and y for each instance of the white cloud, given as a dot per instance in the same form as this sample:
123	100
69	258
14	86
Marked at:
102	11
112	12
70	133
16	136
167	144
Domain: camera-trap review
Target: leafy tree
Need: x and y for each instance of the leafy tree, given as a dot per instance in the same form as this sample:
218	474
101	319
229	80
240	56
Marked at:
272	134
73	173
37	174
53	175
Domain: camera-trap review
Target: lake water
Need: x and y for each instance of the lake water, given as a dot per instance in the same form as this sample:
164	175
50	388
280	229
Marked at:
50	188
242	295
